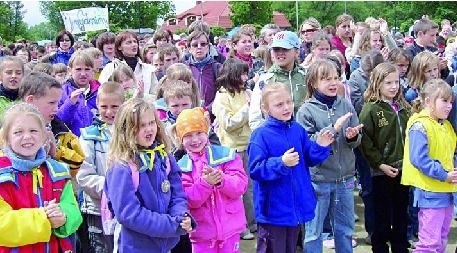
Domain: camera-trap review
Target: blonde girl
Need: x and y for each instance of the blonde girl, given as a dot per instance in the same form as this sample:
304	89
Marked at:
38	209
424	67
320	47
333	179
428	164
140	144
370	39
124	75
384	116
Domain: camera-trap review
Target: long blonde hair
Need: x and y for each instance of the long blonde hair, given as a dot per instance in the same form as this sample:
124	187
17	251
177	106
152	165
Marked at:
373	92
123	146
433	89
423	60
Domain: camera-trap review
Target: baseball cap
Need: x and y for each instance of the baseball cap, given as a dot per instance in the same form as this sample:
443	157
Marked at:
286	39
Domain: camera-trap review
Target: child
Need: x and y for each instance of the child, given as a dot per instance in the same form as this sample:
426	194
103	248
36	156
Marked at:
91	177
231	107
155	215
37	206
97	57
320	47
60	72
333	179
177	96
424	67
123	74
384	116
11	74
79	94
401	59
214	181
428	165
280	153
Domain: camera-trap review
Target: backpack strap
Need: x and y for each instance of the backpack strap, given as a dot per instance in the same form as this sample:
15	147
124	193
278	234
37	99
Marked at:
215	66
135	174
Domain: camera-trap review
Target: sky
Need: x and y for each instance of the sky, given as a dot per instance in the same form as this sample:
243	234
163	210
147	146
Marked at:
33	16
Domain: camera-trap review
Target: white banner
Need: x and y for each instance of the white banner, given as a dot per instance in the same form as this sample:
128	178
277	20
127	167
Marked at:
85	20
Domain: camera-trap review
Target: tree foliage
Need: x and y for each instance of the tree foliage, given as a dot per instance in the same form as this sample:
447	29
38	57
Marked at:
122	14
218	30
42	31
251	12
12	26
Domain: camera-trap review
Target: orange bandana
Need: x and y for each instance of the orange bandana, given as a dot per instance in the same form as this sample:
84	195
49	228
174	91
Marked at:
191	120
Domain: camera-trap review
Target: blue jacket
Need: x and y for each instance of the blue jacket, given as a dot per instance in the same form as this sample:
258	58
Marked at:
149	217
283	196
79	115
62	57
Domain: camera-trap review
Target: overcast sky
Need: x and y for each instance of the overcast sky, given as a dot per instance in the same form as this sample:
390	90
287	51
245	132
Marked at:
33	16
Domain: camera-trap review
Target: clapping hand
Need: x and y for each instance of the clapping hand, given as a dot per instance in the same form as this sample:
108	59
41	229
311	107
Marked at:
56	217
352	132
212	176
326	138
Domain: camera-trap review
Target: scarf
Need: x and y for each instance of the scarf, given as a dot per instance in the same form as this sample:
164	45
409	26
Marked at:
327	100
132	62
147	156
245	58
202	63
23	165
9	94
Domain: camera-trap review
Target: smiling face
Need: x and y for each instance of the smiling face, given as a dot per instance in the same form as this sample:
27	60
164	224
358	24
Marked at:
195	142
439	108
147	129
26	136
108	105
390	86
245	45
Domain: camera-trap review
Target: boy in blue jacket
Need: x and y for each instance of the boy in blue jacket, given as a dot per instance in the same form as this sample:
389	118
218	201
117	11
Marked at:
280	154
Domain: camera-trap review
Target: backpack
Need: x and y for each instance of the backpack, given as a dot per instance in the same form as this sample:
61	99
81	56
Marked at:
109	222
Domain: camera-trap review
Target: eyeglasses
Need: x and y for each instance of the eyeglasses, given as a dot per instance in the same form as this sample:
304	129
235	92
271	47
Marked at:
308	31
64	40
202	44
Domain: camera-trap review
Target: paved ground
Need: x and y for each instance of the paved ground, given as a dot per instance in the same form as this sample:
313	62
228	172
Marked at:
249	246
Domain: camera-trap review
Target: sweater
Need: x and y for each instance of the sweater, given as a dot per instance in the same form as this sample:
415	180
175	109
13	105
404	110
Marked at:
283	196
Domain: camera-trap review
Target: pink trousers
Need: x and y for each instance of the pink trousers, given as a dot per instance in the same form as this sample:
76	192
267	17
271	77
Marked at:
434	226
231	245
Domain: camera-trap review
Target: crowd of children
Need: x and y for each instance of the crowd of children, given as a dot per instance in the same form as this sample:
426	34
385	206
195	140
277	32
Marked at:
141	147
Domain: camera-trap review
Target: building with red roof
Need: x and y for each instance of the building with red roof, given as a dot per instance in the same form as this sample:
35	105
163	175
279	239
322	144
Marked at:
215	13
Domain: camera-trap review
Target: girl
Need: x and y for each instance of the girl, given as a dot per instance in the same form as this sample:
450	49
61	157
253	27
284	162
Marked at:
400	58
333	180
11	74
370	39
154	214
65	42
280	152
79	94
320	47
214	181
428	165
123	74
231	107
148	52
384	116
37	206
424	67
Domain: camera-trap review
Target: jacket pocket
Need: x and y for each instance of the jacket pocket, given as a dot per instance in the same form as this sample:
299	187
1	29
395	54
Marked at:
234	207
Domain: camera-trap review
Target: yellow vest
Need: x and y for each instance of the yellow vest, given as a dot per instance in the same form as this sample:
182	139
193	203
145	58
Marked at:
441	144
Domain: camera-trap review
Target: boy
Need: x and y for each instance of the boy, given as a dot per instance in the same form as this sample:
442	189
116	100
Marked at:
60	72
169	55
11	74
91	177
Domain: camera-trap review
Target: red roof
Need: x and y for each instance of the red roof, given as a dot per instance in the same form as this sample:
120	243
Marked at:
216	13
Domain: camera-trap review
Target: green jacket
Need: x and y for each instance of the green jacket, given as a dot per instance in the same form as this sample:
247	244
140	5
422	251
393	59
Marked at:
383	135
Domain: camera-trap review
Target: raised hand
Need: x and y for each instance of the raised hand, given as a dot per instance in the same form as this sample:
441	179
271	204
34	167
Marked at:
290	158
352	132
341	120
75	95
326	138
212	176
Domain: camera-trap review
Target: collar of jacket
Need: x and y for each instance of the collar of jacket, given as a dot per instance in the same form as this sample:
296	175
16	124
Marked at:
278	70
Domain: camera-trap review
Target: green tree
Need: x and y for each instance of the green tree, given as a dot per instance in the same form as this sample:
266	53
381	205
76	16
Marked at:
218	30
252	12
42	31
122	14
12	26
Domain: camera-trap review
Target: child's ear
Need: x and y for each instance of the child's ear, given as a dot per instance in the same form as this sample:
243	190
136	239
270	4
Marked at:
29	98
264	108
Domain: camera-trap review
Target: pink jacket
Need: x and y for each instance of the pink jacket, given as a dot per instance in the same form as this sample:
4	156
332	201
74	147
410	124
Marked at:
218	210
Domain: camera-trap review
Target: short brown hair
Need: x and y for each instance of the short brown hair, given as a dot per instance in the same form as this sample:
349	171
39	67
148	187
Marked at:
121	37
424	25
105	38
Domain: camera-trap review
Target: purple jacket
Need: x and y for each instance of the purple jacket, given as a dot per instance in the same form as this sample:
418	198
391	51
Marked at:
149	217
79	115
206	80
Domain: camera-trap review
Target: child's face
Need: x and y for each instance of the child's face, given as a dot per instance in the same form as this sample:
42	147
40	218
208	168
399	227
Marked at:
26	136
47	104
156	62
195	142
150	54
81	74
390	86
322	49
126	82
429	38
284	58
108	49
431	72
279	105
12	74
440	108
176	105
61	77
108	105
169	59
402	66
161	42
329	85
245	45
147	130
98	63
375	40
199	47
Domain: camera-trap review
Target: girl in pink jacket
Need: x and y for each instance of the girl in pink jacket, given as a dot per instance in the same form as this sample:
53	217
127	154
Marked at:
214	181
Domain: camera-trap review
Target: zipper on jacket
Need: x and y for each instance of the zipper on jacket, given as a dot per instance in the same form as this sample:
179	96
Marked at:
401	128
293	181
